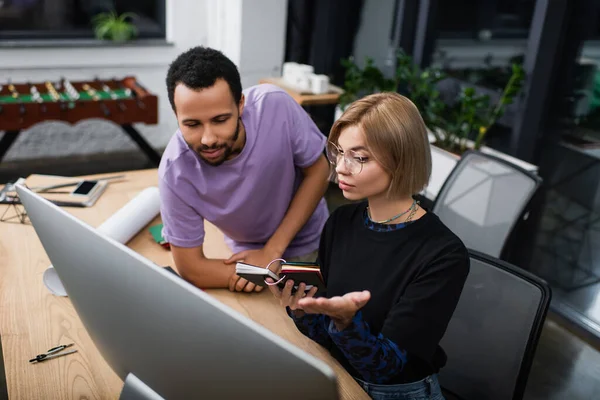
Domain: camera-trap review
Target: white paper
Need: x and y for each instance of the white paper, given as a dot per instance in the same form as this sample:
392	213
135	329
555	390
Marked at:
122	226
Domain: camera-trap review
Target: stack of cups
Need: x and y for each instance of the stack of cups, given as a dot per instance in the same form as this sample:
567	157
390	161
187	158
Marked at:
302	78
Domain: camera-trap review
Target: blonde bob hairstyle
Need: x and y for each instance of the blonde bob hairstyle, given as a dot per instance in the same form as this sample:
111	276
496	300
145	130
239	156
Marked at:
395	135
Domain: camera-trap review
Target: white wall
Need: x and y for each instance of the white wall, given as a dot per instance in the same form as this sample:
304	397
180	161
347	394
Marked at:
372	38
262	46
250	32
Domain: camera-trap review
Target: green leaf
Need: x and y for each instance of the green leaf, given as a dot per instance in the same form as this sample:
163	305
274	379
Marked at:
126	15
102	31
113	26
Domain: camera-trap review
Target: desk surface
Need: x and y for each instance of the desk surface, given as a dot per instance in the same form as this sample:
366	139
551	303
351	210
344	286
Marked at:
32	320
305	99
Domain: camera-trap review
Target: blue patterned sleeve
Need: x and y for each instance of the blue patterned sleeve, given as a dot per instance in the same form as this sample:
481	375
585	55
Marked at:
375	357
312	326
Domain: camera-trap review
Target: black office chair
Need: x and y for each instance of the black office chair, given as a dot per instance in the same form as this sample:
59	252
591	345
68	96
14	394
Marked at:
493	334
483	199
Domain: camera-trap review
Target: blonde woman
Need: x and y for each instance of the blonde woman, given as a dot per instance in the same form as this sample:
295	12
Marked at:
394	272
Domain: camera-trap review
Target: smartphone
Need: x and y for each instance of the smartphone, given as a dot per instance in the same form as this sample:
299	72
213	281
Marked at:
85	188
310	264
307	272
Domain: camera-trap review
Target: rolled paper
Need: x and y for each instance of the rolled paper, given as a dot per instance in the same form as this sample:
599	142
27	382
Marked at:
122	226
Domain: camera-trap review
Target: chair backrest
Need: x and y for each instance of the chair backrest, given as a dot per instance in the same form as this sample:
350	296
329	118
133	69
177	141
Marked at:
482	200
493	334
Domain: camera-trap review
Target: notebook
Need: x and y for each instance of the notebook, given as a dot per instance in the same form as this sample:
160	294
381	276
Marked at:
310	274
63	196
156	232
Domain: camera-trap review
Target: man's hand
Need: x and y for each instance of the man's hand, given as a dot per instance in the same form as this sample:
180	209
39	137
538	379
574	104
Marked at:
340	309
260	258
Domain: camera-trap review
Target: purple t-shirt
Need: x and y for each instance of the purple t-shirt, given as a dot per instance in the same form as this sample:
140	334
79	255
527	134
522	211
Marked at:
245	197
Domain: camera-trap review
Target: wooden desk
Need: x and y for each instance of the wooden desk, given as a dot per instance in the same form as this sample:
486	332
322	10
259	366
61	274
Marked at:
308	99
32	320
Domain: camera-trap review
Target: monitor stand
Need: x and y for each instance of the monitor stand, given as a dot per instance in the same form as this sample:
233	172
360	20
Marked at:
135	389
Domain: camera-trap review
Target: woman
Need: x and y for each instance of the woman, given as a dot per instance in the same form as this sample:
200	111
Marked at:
394	272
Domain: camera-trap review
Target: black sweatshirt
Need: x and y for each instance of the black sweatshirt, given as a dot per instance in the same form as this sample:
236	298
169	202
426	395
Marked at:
415	276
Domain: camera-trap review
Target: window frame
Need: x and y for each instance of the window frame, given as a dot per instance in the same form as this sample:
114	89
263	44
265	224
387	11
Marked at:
484	17
84	35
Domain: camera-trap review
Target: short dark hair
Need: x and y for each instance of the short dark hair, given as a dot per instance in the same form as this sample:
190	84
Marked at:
199	68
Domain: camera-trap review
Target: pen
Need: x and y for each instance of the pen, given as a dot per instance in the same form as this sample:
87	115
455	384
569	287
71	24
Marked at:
59	348
41	189
46	358
52	353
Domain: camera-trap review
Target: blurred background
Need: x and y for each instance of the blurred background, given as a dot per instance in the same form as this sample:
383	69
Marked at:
535	61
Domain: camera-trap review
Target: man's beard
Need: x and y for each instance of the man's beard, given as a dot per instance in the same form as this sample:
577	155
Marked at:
228	152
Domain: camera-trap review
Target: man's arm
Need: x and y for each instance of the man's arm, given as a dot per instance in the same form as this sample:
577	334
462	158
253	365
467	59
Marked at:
303	204
309	193
306	144
205	273
184	230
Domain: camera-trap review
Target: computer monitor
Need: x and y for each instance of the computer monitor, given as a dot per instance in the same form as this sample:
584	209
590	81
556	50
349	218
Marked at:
163	336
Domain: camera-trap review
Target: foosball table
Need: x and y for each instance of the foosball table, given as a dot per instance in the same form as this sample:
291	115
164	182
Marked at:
123	101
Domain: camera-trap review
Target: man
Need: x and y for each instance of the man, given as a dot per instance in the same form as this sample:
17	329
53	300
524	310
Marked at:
251	163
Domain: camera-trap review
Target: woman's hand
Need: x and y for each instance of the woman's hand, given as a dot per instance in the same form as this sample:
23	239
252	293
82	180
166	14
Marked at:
287	299
341	309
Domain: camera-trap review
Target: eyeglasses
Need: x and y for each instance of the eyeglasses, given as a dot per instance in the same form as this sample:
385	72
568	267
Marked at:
353	161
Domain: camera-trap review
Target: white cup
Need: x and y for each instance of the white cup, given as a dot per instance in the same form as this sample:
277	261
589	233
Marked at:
297	75
289	69
302	83
319	84
305	69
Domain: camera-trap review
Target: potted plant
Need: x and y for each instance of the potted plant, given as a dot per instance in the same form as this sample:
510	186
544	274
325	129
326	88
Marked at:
115	27
422	88
457	119
486	79
360	82
454	120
